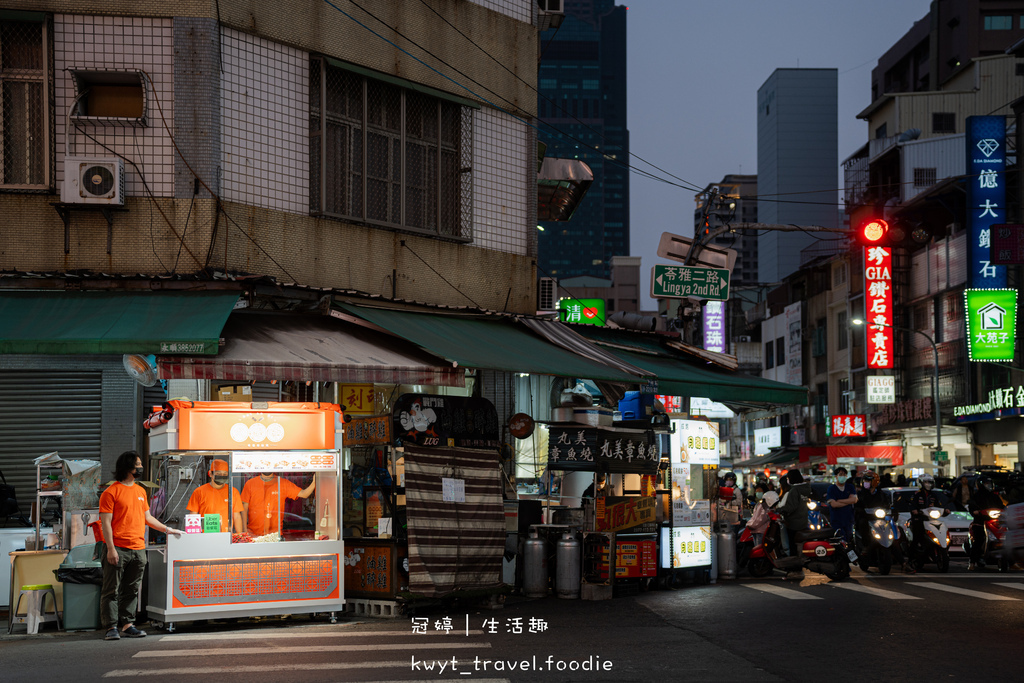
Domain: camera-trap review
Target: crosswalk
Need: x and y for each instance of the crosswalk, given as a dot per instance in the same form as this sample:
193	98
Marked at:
993	591
380	656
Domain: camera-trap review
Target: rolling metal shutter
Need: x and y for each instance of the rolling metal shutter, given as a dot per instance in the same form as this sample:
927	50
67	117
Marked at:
42	411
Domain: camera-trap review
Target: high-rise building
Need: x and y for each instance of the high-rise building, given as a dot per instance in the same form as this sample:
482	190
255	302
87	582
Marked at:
797	158
582	98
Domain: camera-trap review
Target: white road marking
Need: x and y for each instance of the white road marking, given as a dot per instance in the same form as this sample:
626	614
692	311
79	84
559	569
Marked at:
218	651
1018	586
870	590
266	635
787	593
959	591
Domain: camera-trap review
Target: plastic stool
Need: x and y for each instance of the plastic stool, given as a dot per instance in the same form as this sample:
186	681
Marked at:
36	605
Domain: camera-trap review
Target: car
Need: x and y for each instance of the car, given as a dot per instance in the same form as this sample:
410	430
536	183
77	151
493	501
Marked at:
957	523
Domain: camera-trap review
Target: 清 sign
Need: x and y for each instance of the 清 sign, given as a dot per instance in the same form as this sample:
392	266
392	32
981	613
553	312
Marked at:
878	306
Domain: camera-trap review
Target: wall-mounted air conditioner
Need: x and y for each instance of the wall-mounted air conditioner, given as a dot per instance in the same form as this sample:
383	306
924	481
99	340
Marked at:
93	180
551	14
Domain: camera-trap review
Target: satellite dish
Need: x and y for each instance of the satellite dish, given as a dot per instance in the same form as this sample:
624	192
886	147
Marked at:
141	368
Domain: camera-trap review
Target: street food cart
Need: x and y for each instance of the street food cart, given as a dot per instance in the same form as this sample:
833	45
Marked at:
215	570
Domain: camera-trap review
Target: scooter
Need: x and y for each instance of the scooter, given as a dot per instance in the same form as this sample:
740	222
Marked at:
819	550
876	539
934	547
988	529
814	516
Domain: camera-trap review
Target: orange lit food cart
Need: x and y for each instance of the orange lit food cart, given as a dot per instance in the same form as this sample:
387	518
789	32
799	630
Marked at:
294	569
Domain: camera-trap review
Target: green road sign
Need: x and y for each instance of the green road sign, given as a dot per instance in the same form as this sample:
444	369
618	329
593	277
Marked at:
942	456
991	323
670	282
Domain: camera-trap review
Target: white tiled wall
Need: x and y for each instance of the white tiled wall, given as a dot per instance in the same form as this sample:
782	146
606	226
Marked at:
119	43
517	9
264	123
500	163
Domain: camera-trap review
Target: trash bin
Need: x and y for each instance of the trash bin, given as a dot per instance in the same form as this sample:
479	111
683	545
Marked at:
82	575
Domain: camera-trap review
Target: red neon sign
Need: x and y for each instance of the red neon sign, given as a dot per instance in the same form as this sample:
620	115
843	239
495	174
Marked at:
878	303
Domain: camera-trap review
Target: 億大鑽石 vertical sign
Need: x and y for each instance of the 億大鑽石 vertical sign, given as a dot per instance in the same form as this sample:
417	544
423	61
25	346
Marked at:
878	306
986	196
714	326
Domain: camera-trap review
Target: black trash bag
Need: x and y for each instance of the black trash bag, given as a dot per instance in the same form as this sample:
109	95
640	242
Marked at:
85	575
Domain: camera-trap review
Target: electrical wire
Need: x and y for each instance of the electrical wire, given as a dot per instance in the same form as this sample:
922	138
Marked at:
184	231
404	244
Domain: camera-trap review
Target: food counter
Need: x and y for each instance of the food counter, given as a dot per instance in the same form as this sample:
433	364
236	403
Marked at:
256	487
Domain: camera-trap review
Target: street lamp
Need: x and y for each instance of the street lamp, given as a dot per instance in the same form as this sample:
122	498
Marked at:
935	352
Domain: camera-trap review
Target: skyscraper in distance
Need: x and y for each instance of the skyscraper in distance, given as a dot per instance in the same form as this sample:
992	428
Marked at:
797	162
582	86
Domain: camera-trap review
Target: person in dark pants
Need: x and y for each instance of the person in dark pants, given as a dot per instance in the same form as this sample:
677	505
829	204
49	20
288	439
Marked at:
841	497
124	515
984	499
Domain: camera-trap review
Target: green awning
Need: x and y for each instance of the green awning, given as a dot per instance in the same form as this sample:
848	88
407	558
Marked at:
682	375
60	322
678	376
492	343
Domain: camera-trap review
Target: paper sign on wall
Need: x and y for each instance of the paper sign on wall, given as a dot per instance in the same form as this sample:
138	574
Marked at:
453	490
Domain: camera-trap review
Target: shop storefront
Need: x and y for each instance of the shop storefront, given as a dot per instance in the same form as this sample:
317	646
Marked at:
271	542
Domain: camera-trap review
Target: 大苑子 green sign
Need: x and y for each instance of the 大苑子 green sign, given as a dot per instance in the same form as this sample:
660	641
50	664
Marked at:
991	323
585	311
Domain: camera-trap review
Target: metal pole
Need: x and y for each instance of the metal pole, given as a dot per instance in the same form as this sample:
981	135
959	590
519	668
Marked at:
938	410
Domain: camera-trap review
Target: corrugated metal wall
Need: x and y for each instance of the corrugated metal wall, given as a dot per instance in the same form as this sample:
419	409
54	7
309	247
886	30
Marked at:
43	411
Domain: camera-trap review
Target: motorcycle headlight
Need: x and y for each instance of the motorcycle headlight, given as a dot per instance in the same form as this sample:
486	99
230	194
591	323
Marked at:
875	534
994	514
880	513
811	505
935	514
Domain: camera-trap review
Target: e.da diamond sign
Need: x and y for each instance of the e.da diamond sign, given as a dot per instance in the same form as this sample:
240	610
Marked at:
991	323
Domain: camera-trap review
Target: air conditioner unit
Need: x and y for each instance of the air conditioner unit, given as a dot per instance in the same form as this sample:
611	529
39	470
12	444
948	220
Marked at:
547	294
551	14
93	180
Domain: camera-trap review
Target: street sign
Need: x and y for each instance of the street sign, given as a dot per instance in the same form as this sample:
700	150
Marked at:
679	282
677	248
941	456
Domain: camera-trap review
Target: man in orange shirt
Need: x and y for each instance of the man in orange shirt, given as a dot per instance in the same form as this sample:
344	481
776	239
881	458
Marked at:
212	498
261	498
124	515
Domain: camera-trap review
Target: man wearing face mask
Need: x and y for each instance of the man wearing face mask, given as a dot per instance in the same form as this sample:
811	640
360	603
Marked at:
261	500
212	498
124	516
841	497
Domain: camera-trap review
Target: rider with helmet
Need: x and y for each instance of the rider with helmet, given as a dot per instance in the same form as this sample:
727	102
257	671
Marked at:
923	499
984	499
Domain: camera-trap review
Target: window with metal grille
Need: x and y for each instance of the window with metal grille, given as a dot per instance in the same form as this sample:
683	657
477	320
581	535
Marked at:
943	123
924	177
24	104
388	155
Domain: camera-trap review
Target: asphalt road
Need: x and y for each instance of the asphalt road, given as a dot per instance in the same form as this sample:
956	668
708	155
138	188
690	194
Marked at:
925	627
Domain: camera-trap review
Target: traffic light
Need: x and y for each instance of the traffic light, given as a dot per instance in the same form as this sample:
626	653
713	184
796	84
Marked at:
875	231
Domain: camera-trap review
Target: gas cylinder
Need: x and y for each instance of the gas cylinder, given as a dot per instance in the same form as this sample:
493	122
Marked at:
535	566
726	552
567	576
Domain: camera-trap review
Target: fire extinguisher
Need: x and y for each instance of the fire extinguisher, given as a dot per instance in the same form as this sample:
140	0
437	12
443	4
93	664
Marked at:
159	417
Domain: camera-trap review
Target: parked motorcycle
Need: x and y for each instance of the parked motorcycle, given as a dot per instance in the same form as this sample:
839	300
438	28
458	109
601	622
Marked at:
934	547
814	516
820	550
877	539
988	529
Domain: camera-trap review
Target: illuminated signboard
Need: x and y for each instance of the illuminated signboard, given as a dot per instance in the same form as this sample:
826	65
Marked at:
849	425
878	306
991	323
986	196
714	326
694	442
584	311
881	389
686	546
766	439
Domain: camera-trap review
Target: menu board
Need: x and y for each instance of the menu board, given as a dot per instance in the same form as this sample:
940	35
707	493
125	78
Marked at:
694	442
687	546
284	461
